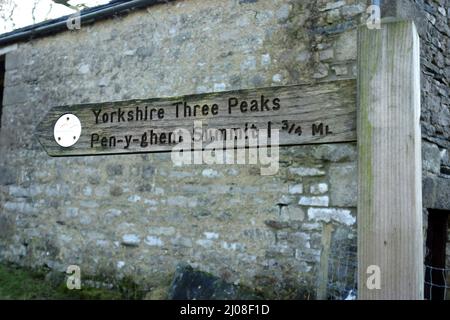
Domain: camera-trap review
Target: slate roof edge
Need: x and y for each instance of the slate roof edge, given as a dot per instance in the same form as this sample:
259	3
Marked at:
87	16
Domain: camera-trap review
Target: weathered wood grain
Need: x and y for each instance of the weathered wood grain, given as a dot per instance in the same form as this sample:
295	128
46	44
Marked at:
389	150
331	104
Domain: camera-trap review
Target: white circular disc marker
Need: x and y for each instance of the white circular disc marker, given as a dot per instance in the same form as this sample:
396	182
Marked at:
67	130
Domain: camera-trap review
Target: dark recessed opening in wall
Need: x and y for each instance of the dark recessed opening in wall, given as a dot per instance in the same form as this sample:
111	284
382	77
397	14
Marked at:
445	170
436	285
2	80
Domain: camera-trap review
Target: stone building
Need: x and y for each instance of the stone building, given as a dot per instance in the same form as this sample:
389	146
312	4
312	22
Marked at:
136	216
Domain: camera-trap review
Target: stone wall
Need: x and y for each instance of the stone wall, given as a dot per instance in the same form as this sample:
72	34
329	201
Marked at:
137	215
447	260
447	252
433	21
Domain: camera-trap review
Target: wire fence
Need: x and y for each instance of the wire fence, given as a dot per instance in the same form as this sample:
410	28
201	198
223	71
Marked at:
437	283
342	279
342	273
342	269
342	283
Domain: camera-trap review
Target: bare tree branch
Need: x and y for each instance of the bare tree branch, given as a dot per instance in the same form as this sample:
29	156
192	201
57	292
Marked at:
8	11
33	10
49	10
11	16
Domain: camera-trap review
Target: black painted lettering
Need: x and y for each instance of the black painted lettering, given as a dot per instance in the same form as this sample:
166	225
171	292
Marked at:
196	109
97	114
153	111
112	142
121	115
177	104
276	104
144	142
187	110
161	113
94	138
243	106
264	104
205	110
254	105
127	141
162	138
232	102
317	129
215	109
139	114
153	137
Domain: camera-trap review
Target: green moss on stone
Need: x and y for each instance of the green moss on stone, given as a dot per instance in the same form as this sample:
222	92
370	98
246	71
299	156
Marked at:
22	284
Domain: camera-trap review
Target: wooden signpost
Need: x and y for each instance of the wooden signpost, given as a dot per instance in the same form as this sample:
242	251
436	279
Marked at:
304	114
390	237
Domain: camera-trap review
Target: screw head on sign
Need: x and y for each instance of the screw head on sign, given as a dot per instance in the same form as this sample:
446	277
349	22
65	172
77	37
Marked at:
67	130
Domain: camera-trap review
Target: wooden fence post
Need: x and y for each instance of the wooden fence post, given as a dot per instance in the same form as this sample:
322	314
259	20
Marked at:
390	234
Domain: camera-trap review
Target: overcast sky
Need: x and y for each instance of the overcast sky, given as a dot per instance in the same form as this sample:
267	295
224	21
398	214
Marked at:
15	14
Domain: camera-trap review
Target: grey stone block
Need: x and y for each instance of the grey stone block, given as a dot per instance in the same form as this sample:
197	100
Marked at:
7	176
15	95
12	60
436	193
343	185
431	157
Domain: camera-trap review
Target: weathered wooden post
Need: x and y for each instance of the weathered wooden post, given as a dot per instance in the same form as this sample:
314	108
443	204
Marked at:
389	146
